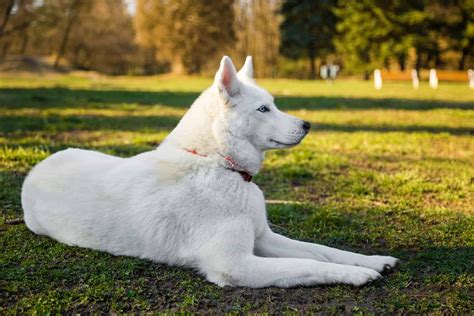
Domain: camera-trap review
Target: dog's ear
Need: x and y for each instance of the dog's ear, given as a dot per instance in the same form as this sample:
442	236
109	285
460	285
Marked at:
226	78
246	72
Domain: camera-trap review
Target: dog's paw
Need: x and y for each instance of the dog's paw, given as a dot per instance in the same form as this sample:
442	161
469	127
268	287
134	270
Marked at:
380	263
359	276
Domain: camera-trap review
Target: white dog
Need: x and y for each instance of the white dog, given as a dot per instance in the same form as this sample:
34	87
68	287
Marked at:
191	201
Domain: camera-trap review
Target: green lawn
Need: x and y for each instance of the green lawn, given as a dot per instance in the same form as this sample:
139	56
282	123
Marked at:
382	172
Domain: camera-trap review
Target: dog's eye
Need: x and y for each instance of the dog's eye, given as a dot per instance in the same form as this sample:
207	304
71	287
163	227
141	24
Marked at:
263	109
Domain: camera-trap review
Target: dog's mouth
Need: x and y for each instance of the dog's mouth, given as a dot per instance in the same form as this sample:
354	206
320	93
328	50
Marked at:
282	144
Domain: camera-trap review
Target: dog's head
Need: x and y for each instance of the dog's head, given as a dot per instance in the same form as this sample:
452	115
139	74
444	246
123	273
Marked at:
248	112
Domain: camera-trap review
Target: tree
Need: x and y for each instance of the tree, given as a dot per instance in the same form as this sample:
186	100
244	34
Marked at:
364	31
307	30
7	11
72	9
447	27
18	16
257	29
460	30
187	33
375	32
103	38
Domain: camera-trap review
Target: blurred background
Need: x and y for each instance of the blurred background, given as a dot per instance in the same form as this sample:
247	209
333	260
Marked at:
287	38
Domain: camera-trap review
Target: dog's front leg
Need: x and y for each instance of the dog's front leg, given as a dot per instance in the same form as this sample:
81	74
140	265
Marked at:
270	244
227	258
257	272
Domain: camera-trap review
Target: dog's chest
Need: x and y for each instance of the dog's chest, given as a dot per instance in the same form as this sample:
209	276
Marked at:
237	198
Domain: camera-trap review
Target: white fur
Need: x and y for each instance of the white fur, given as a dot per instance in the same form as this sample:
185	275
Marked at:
180	208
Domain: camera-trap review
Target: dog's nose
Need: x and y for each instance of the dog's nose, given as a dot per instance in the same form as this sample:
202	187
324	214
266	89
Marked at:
306	125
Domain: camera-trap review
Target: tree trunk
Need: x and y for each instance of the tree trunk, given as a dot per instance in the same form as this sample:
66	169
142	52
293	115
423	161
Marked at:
366	75
312	65
401	62
5	48
177	66
418	62
462	61
24	42
465	14
150	61
6	17
72	16
318	68
437	60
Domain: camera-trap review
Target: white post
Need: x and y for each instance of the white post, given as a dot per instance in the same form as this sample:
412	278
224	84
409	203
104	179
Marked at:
323	72
333	69
377	79
414	77
470	74
433	79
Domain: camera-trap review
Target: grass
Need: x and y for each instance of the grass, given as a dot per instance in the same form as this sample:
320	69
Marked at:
389	172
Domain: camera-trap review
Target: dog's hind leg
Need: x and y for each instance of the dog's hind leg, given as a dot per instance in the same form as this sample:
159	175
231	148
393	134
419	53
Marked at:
270	244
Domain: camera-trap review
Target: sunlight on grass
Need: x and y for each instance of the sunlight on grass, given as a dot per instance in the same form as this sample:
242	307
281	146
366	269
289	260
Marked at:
386	171
449	92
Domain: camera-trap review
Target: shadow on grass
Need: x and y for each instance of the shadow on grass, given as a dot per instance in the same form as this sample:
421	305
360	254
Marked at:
44	98
10	188
63	97
392	128
56	123
375	231
122	150
36	269
70	274
354	103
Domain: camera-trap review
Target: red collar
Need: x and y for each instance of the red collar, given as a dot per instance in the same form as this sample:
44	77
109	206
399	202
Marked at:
244	174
